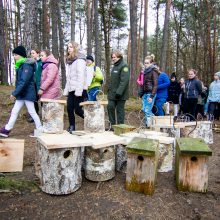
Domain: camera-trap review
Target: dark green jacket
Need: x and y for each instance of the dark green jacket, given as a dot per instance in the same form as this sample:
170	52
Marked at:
37	75
119	81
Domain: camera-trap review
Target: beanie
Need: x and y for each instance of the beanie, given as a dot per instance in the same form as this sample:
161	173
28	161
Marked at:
173	75
89	57
20	50
218	74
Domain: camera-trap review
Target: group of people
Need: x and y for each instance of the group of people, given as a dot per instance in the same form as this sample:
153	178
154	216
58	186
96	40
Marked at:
159	92
38	77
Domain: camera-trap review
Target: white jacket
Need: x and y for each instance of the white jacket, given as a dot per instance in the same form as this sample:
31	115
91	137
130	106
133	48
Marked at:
76	77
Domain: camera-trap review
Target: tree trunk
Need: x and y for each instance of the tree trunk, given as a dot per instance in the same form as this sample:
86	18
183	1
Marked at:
157	31
30	20
89	26
54	18
165	43
133	4
3	54
45	25
61	43
145	28
73	18
97	33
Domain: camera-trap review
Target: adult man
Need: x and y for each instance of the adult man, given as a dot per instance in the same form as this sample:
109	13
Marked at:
118	88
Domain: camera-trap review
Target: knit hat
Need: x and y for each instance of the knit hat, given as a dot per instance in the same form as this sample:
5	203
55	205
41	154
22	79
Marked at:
90	57
218	74
173	75
20	50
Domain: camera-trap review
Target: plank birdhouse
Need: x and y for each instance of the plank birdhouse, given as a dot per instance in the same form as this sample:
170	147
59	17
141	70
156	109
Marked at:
142	165
192	164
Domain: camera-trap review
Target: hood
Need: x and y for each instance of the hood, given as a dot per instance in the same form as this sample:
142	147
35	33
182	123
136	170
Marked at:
30	61
51	59
81	54
150	68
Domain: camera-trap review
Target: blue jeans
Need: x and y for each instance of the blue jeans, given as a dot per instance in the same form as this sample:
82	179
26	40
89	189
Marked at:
147	107
92	94
159	104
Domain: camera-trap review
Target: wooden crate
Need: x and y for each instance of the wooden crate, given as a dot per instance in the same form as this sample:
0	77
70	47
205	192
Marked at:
11	155
192	164
142	165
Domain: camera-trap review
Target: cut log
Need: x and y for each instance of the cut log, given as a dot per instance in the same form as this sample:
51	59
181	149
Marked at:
11	155
52	117
94	116
99	163
59	170
142	165
192	164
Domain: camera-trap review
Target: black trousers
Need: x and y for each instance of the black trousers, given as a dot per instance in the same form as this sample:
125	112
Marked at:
214	109
73	106
190	107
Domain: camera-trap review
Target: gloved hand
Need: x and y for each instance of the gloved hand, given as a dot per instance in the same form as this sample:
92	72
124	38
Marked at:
117	96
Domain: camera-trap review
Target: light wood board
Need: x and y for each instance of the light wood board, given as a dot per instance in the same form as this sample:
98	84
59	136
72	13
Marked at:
53	100
105	139
64	140
93	102
11	155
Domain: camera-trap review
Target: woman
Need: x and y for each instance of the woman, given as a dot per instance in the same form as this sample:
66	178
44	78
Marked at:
50	80
181	96
76	87
214	95
193	88
149	89
24	93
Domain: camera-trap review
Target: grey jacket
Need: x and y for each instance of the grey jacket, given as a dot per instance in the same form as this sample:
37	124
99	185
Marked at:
193	88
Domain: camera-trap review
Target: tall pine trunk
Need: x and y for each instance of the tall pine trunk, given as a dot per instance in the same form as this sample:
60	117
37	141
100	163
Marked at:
145	28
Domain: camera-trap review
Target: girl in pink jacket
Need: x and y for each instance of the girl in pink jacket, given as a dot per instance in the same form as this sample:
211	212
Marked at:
50	80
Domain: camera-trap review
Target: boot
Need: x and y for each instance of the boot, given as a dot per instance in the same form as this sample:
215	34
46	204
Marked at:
71	129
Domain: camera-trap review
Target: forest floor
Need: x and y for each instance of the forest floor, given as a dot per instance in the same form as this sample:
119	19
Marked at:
20	197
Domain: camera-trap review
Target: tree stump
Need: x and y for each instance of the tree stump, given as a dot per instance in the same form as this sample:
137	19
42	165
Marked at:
142	165
100	163
94	116
192	164
52	116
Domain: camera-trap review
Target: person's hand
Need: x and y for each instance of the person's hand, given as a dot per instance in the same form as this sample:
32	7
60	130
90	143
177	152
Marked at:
12	98
117	96
149	100
40	92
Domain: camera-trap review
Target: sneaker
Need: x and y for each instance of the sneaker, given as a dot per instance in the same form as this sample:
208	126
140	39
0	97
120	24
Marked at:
30	119
4	132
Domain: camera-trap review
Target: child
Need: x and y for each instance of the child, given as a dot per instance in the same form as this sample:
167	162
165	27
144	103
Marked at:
174	91
76	84
24	92
97	79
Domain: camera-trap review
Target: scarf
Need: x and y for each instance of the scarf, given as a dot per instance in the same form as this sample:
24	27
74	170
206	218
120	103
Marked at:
19	62
70	60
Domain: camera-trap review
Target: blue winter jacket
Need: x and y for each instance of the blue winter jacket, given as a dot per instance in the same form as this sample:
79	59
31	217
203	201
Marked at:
163	84
214	91
25	85
193	88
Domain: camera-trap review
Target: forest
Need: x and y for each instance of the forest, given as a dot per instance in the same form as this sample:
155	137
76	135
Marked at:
186	33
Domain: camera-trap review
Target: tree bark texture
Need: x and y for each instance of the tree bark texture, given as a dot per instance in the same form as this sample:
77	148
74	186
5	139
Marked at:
52	117
73	18
58	170
100	163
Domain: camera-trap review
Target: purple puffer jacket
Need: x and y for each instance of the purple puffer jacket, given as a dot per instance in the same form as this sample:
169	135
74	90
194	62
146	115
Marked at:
50	80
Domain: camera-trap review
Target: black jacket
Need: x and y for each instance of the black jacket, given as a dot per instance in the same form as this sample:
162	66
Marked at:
193	88
174	91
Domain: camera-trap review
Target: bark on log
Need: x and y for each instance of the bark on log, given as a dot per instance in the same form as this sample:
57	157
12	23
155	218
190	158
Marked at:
121	158
94	117
59	170
100	163
52	117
